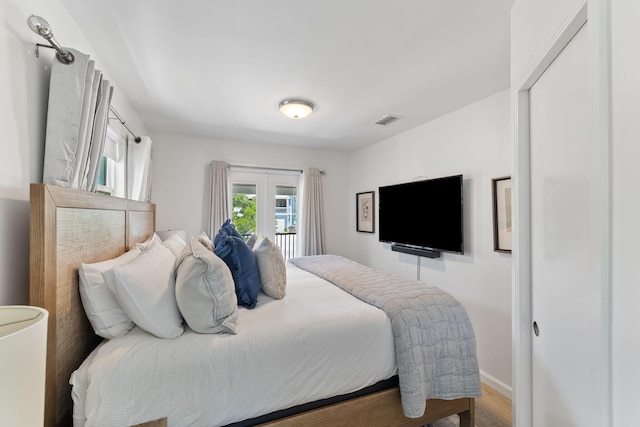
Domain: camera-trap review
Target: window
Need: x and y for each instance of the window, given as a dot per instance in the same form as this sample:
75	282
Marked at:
266	203
112	175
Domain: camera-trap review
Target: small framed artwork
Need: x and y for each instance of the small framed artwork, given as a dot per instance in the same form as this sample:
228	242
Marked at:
501	191
365	212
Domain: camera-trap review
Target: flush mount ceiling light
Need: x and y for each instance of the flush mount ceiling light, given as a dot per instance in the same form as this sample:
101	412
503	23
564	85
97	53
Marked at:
296	108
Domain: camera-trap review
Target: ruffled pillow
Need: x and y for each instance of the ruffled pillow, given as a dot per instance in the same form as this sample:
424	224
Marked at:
244	269
228	228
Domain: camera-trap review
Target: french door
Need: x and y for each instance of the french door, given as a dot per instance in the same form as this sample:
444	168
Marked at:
266	203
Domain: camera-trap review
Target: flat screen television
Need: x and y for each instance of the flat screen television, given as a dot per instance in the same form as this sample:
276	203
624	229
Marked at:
424	214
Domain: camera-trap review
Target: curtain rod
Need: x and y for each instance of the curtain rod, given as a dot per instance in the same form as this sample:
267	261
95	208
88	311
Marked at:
268	168
121	120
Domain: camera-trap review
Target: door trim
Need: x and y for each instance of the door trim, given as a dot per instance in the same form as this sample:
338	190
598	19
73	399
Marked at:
597	12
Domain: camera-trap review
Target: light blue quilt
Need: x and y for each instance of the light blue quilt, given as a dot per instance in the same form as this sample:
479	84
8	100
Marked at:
434	339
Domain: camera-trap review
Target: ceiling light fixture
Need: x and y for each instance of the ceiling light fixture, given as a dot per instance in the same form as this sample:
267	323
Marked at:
296	108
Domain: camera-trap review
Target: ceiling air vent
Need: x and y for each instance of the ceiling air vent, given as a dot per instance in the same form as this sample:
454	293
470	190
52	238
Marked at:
387	120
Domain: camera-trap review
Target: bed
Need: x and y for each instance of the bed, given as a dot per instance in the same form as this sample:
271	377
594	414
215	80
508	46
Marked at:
69	227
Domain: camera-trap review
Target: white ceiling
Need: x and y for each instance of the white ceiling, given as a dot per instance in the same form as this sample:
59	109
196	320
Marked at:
218	69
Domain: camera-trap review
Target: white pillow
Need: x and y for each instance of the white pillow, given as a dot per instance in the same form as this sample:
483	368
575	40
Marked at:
175	244
205	240
103	311
205	290
144	245
145	289
271	264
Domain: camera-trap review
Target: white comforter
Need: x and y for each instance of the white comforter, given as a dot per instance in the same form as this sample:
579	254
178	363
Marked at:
317	342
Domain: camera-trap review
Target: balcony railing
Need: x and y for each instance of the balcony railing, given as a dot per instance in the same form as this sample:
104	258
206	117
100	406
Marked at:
285	241
287	244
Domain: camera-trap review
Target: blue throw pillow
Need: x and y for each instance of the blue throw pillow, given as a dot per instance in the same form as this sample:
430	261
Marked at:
243	265
250	275
225	248
228	228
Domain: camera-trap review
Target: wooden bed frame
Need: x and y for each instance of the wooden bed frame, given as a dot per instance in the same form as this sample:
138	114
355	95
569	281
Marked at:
69	227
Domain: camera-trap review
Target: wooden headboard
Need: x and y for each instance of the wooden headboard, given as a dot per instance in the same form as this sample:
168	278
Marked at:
69	227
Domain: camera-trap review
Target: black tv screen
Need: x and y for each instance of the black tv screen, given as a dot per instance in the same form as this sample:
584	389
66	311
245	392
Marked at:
423	214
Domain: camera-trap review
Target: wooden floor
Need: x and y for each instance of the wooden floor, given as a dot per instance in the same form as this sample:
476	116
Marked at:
493	409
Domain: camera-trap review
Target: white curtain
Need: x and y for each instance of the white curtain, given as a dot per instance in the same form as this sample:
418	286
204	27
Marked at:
312	222
139	169
77	117
219	210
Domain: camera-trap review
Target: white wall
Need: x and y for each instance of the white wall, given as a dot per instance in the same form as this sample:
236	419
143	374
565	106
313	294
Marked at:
625	18
180	186
24	85
473	141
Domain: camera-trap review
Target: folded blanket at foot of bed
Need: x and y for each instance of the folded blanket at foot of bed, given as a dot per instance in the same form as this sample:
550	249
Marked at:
434	339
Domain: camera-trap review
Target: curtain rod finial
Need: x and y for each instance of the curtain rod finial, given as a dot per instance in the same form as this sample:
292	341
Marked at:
39	26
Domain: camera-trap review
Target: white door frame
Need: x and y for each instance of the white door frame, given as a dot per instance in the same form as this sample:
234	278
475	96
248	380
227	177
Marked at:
597	12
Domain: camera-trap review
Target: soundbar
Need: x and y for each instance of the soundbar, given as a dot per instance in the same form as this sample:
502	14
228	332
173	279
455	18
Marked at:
427	253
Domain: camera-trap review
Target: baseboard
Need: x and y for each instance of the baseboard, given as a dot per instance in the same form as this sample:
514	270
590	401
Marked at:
495	384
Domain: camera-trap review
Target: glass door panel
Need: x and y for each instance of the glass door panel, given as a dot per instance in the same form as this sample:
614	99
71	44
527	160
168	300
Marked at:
286	218
266	203
244	208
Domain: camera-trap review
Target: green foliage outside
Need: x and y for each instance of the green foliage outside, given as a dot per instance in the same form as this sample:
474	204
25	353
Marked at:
244	213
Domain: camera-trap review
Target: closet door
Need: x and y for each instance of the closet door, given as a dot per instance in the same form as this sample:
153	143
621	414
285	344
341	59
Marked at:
565	251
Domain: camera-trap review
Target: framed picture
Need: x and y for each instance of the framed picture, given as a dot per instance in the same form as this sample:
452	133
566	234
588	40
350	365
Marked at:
501	191
365	212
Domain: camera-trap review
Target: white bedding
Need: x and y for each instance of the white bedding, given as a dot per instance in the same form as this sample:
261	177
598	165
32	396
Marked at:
317	342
